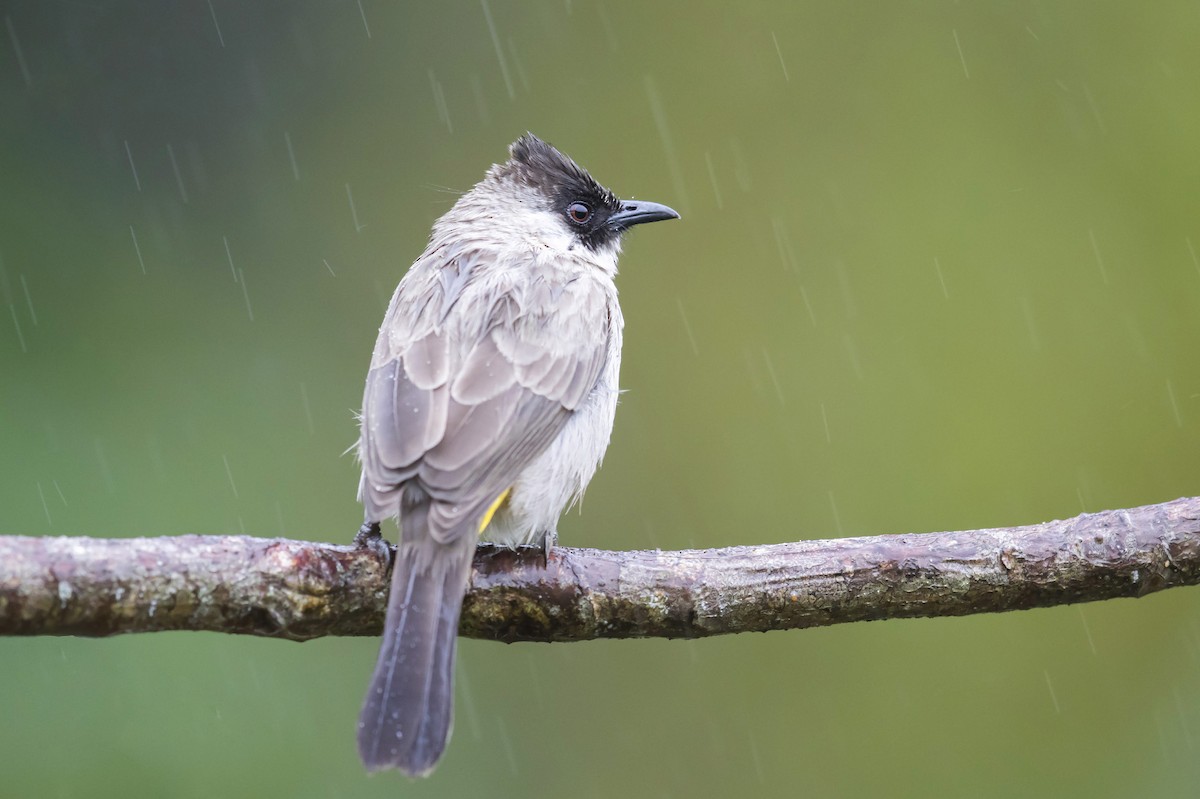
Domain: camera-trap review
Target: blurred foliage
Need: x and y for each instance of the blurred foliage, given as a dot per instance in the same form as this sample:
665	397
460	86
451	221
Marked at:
937	270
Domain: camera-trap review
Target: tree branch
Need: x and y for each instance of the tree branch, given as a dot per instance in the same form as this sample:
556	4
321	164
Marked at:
300	590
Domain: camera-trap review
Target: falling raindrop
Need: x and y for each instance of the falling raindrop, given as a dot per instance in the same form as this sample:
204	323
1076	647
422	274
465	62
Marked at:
287	139
520	67
1162	736
217	25
1087	631
771	373
132	166
779	53
852	351
246	293
506	743
17	324
754	755
229	257
383	296
196	166
137	249
439	101
664	133
12	35
105	470
467	695
539	697
837	517
508	84
178	176
1187	732
1087	93
229	474
937	265
606	24
480	100
961	57
353	211
712	176
1053	696
363	14
1174	404
812	316
687	326
786	254
45	505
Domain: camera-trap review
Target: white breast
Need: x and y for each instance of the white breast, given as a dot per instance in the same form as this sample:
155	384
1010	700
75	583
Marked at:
558	477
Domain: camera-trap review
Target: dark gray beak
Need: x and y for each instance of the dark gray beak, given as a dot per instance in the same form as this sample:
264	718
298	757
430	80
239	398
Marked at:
635	212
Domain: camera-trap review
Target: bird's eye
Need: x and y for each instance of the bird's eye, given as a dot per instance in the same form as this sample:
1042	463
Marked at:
579	213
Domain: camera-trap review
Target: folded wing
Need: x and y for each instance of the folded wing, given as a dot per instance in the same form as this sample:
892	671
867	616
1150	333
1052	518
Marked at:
462	397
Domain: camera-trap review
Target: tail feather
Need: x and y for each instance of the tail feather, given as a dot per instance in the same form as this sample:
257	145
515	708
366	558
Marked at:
408	712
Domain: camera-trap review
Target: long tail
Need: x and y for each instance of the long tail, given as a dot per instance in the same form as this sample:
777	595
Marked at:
409	709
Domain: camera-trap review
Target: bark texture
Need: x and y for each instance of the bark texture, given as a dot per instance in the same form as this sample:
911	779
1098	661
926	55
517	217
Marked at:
300	590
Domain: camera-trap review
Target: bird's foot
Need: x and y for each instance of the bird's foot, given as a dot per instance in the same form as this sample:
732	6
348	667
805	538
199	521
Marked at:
549	542
368	535
533	552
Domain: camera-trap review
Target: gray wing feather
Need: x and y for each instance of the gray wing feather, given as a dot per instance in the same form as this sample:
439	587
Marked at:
428	361
470	431
583	381
485	373
520	352
532	374
465	391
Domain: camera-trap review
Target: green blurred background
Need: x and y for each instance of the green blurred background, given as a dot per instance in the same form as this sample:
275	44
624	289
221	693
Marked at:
937	270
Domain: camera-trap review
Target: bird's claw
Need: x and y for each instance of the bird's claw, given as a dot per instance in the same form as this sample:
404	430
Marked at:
368	535
549	542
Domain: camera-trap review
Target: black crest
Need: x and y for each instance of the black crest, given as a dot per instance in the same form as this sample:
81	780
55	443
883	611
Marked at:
563	182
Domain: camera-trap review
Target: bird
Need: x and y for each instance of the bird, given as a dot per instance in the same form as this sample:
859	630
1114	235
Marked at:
488	406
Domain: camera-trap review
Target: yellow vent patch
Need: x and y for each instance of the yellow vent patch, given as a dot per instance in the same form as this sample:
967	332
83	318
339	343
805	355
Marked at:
491	511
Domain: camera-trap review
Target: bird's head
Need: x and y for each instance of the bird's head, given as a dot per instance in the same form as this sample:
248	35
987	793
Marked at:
540	195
